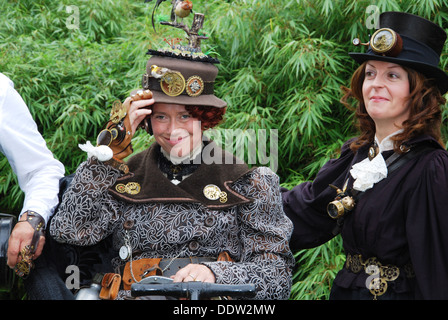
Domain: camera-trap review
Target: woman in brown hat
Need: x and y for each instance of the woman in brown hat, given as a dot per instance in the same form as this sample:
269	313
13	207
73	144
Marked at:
387	194
184	208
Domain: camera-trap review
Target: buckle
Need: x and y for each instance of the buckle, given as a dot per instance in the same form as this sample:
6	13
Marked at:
379	274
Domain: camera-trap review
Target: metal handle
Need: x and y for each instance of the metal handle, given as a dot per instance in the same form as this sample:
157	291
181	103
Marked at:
195	290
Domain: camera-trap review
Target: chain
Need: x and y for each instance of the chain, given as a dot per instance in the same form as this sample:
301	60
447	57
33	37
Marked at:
172	259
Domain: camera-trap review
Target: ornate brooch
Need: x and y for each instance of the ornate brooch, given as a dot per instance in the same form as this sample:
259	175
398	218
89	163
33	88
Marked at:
213	192
130	188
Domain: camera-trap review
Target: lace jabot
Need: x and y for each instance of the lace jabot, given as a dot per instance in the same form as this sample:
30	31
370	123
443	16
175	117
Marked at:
368	172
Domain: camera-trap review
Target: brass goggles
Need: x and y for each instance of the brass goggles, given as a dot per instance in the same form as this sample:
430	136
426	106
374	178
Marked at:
342	204
106	136
117	130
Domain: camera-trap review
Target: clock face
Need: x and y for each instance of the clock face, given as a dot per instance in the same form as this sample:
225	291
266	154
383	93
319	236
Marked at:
383	40
124	252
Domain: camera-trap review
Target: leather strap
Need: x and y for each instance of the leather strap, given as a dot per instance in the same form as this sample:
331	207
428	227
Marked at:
24	266
38	223
397	162
141	268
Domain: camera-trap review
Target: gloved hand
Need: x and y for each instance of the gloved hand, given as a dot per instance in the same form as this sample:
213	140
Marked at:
123	122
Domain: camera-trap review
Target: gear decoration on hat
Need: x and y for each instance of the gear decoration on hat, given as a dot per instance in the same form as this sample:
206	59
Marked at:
172	83
194	86
387	42
419	45
384	41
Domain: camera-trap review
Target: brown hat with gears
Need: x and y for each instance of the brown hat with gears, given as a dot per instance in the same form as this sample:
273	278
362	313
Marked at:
182	74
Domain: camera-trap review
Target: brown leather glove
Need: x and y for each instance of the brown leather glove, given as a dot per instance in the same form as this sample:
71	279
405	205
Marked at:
117	134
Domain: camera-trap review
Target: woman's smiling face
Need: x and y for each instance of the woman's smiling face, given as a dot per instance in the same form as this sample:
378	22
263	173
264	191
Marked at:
177	132
386	93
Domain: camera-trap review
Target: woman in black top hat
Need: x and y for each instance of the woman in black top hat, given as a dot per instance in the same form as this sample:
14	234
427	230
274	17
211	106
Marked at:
387	194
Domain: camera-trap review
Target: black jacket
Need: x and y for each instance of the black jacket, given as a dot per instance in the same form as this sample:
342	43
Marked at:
403	219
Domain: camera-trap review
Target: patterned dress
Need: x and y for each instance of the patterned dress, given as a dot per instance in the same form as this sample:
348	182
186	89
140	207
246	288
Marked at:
164	220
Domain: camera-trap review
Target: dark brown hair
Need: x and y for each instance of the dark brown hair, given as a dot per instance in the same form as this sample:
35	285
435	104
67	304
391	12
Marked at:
425	110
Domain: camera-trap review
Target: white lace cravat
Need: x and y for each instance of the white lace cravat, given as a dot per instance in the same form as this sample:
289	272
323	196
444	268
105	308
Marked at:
368	172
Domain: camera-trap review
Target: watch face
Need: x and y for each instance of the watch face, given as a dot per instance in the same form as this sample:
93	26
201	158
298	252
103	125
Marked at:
383	40
212	192
124	252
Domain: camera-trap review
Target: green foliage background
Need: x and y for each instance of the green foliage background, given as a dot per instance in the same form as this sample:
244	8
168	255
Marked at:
282	65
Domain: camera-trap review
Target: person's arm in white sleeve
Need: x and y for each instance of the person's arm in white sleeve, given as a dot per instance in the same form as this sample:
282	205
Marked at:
37	170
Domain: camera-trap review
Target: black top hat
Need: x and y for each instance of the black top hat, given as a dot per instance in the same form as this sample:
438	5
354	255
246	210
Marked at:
410	41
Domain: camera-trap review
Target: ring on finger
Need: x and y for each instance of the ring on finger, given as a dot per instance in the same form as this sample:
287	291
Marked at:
193	277
137	96
141	94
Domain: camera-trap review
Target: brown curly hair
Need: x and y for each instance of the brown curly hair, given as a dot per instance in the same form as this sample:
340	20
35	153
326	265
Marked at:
209	116
425	110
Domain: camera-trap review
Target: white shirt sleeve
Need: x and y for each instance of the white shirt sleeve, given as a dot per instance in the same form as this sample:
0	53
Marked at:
38	172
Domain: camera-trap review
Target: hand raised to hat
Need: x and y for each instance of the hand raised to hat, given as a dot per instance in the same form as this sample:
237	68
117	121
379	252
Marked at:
123	123
139	103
